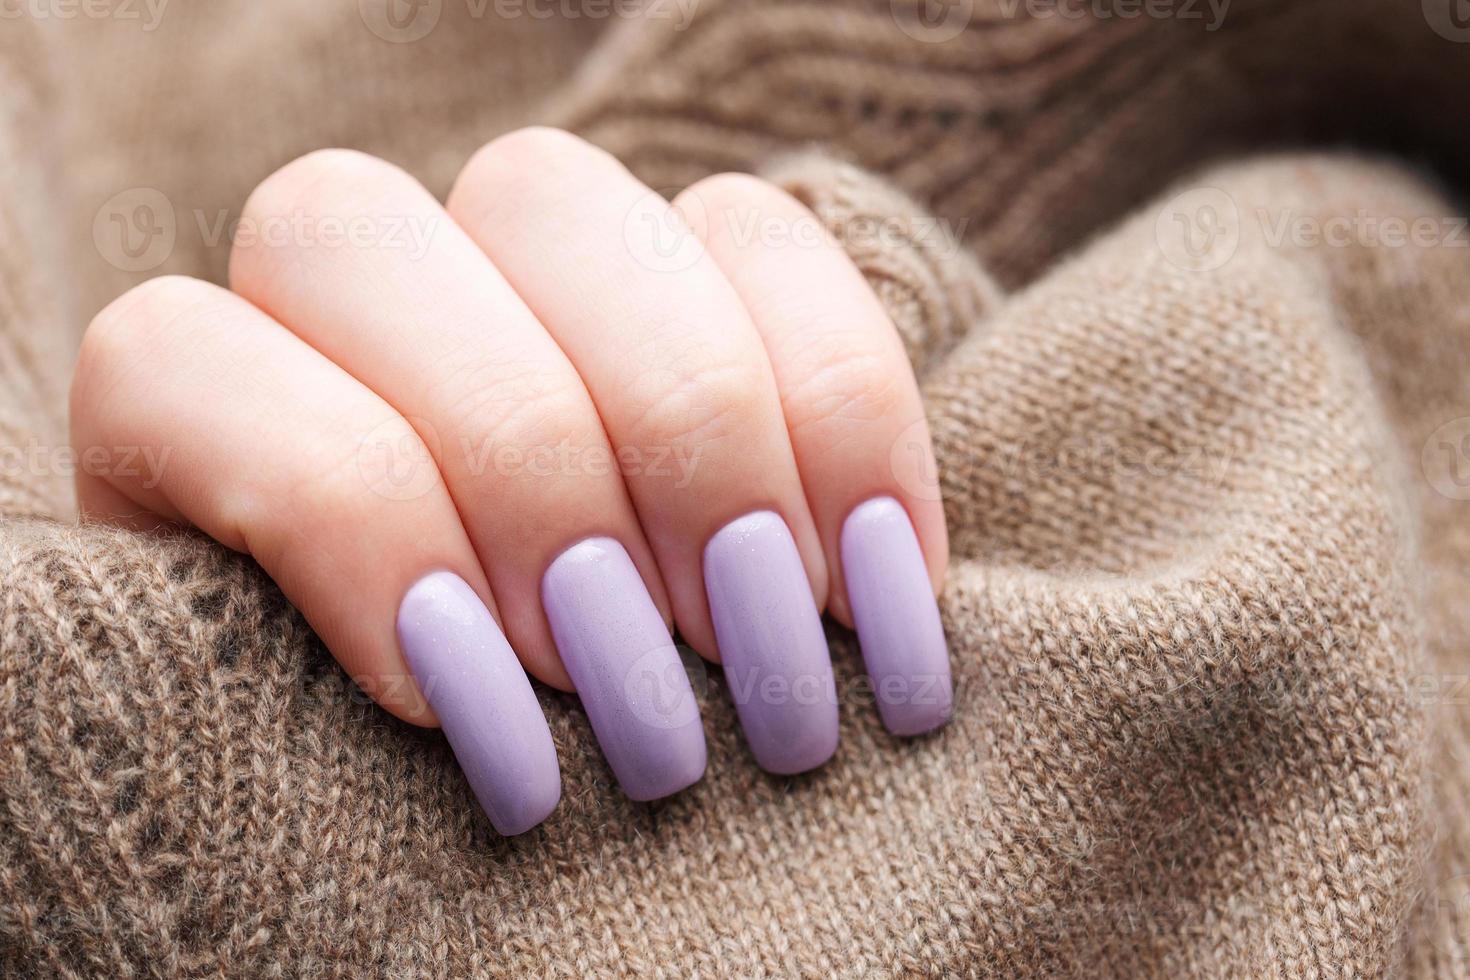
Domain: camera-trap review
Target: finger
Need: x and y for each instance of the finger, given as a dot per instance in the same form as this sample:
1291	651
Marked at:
850	400
267	447
678	375
424	319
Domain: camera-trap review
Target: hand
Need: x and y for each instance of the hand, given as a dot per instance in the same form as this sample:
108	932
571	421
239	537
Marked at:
531	429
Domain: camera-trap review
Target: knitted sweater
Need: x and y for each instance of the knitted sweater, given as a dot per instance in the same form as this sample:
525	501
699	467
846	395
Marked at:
1192	322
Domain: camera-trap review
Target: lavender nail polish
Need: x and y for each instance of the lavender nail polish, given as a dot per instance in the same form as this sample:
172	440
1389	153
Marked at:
770	634
627	671
897	617
484	701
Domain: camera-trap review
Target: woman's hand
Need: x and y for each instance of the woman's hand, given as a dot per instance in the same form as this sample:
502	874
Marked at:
546	406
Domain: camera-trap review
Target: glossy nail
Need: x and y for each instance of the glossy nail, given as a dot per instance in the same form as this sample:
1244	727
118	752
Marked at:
775	655
484	701
897	617
627	671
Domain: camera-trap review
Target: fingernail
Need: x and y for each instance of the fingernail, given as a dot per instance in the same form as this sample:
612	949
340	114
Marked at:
770	635
483	699
897	617
628	674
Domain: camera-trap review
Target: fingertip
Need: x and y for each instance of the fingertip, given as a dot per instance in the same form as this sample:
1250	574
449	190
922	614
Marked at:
492	718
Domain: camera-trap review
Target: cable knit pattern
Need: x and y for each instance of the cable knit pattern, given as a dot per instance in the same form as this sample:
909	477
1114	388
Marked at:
1207	605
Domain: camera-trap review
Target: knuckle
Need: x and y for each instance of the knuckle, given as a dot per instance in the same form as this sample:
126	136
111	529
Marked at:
856	388
689	405
745	212
537	143
332	183
528	411
329	492
304	178
131	327
732	190
332	484
346	478
355	469
529	153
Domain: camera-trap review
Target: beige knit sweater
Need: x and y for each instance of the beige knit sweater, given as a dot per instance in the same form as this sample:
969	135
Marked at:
1203	419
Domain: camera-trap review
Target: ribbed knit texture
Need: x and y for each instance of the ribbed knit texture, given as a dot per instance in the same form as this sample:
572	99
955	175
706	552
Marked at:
1209	606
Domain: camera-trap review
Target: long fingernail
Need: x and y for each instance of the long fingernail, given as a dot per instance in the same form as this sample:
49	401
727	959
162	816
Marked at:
897	617
628	674
483	699
771	641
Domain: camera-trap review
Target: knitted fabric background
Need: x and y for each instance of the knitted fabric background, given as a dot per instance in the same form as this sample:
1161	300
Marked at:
1203	423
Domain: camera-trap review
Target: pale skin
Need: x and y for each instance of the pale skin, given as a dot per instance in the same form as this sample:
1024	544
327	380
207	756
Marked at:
537	325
